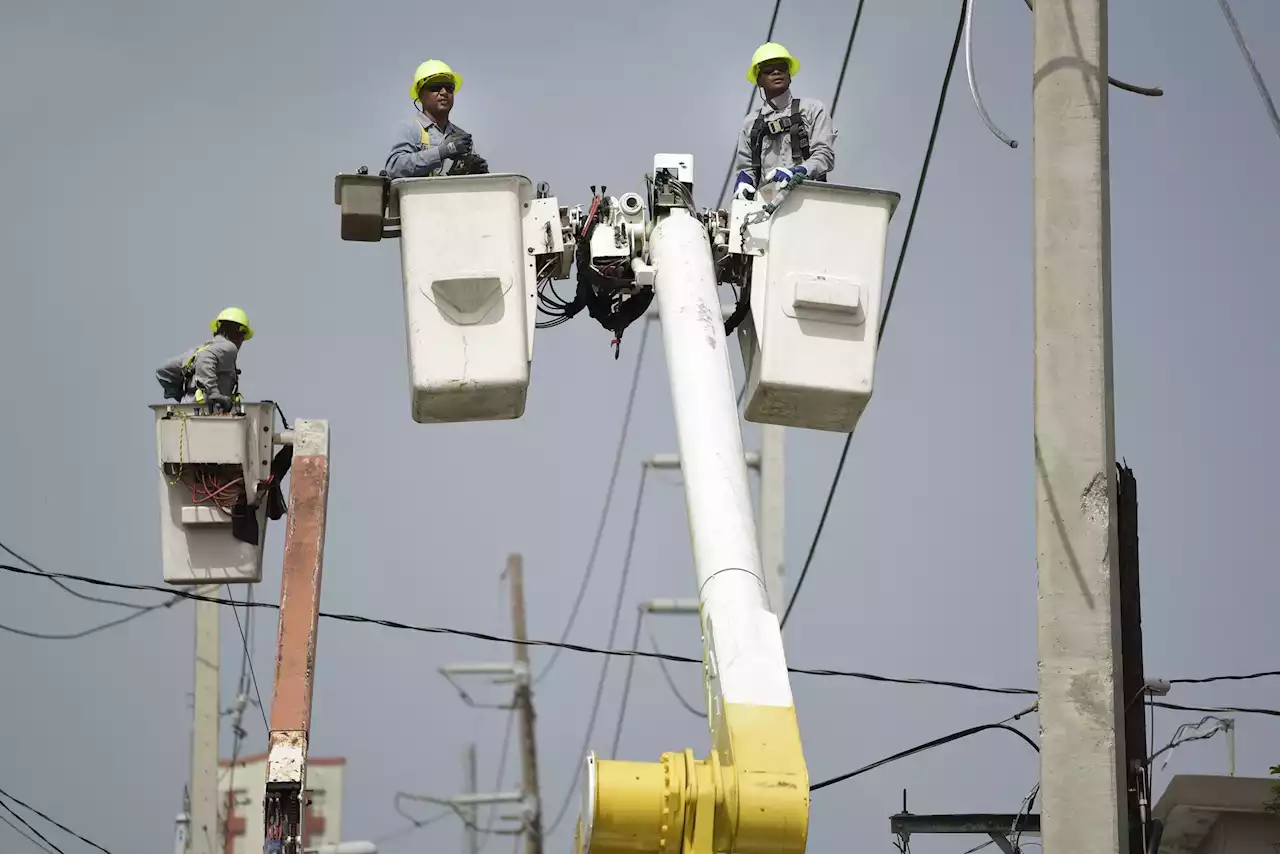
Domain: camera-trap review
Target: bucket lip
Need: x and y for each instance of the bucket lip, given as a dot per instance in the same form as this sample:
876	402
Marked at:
893	198
458	182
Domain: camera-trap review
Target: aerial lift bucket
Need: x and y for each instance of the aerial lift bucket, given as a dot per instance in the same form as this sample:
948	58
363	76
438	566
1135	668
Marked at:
810	345
207	463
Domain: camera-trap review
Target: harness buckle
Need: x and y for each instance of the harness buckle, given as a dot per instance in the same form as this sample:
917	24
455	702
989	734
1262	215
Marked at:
778	125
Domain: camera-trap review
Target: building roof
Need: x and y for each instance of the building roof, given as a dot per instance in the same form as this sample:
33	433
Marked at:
262	757
1192	803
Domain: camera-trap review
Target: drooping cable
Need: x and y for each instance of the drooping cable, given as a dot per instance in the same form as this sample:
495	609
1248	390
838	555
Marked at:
973	81
1258	82
604	510
56	824
848	52
629	653
893	289
626	687
928	745
24	834
76	593
1149	91
671	682
604	665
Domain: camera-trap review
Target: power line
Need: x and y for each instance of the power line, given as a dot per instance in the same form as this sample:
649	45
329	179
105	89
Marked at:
671	682
1177	739
76	593
1241	678
893	289
929	745
604	510
24	834
633	653
1149	91
751	102
95	629
1239	710
604	665
848	51
1253	66
249	605
56	824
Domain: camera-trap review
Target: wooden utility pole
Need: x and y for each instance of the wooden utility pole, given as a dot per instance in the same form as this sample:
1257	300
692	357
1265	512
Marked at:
1082	771
524	708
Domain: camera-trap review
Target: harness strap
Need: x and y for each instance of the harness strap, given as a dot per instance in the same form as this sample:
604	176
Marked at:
793	123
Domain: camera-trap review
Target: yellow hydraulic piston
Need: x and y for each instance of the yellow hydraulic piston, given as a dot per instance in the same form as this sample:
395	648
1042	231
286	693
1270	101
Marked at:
751	794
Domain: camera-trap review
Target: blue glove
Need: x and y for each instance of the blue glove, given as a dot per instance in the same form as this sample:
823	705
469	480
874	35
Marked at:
786	176
745	186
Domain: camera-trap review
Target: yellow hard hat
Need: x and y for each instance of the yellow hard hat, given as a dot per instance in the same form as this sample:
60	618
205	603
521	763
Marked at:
433	68
766	52
233	315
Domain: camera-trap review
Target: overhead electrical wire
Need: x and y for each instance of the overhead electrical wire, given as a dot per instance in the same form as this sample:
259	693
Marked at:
18	830
604	510
751	102
848	52
893	289
1149	91
56	824
635	653
1258	82
25	823
76	593
604	665
929	745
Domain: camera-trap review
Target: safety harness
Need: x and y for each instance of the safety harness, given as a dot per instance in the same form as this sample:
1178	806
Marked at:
188	376
792	123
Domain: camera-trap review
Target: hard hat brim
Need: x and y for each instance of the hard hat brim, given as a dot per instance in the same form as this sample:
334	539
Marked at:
451	75
753	73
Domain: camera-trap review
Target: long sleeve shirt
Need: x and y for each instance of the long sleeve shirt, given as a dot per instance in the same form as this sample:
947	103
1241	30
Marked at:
775	149
213	371
410	157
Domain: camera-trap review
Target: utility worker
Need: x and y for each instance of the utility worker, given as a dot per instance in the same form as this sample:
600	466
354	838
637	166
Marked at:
787	136
429	144
208	374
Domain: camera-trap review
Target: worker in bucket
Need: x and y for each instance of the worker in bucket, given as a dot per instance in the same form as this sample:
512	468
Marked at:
208	375
429	144
787	137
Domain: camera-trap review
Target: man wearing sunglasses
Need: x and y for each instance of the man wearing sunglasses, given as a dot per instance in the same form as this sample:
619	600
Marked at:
429	144
787	137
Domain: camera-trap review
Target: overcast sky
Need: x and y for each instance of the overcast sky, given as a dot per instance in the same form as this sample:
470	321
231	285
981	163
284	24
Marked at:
164	160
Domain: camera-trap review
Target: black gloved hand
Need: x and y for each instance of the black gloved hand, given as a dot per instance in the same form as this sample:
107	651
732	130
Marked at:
451	148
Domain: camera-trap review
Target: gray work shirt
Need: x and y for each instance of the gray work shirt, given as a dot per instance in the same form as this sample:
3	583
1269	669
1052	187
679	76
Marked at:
213	369
410	158
775	150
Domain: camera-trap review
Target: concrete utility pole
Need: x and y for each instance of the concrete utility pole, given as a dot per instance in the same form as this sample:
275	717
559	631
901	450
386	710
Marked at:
524	708
471	835
1082	779
204	829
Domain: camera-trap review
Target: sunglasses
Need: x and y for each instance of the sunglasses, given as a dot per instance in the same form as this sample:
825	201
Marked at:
436	86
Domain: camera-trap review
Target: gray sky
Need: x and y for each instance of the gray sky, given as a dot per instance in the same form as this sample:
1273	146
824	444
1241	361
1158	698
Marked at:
167	159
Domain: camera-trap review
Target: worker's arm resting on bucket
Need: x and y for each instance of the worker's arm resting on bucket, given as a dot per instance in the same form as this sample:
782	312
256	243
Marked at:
214	371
